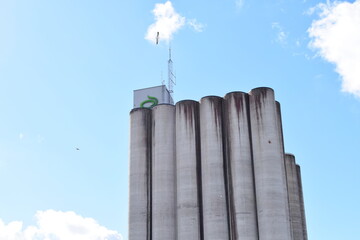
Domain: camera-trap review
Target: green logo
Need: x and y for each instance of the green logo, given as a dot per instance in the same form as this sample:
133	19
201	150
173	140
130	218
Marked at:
151	100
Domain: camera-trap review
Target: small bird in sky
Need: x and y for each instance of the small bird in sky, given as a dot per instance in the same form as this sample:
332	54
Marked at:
157	38
77	149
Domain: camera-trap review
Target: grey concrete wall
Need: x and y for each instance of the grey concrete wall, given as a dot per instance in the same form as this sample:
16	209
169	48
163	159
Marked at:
140	174
294	198
240	171
188	175
163	173
216	225
302	207
270	181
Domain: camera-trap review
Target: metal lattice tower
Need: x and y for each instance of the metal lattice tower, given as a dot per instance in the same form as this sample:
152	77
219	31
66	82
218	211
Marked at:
171	75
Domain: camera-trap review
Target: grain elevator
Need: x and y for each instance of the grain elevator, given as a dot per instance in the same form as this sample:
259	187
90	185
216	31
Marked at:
213	170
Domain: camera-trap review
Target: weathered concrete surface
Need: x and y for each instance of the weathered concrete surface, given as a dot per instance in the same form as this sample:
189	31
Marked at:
280	130
163	173
216	225
240	170
302	207
294	198
140	174
188	166
279	125
270	181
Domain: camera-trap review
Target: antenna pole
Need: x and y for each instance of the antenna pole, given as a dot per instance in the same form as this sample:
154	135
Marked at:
171	75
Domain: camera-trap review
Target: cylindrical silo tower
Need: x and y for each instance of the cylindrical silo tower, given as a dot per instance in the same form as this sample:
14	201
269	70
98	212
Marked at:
270	181
140	175
215	212
240	170
279	122
294	198
280	129
188	174
163	173
301	202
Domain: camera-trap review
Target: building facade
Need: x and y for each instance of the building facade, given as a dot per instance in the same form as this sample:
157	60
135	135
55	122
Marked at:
213	170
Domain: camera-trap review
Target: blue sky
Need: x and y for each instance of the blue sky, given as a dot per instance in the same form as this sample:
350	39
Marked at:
67	74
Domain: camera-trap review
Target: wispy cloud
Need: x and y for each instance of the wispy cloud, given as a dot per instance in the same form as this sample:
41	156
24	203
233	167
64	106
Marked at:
57	225
168	22
21	136
198	27
281	35
239	3
335	35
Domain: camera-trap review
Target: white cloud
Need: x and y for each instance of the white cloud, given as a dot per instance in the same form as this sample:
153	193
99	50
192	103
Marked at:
21	136
311	10
336	38
57	225
281	36
167	22
12	231
198	27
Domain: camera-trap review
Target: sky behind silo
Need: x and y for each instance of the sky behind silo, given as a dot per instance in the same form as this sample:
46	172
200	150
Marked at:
68	69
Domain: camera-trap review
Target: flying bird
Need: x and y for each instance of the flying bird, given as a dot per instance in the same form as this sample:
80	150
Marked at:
77	149
157	38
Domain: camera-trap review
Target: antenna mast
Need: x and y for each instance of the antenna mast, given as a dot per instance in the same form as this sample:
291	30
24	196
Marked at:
171	75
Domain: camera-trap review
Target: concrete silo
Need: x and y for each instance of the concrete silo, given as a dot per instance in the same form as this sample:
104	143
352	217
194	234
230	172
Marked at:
188	175
213	170
140	175
163	173
240	166
294	198
270	180
302	207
